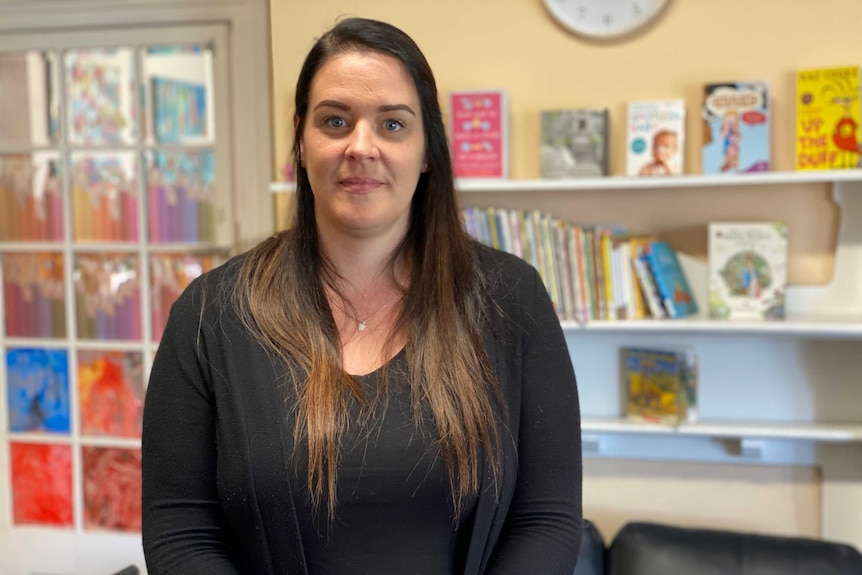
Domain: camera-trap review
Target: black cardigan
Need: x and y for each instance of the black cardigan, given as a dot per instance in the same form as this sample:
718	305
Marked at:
216	497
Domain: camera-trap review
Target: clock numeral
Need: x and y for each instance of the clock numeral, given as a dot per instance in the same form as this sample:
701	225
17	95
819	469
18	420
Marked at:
608	19
582	12
636	8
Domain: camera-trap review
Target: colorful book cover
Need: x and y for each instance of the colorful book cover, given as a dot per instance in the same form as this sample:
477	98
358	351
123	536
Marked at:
574	143
827	118
655	138
676	295
747	270
736	126
660	385
479	125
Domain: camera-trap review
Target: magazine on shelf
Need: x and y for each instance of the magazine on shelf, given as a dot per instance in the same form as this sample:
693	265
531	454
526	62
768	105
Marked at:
660	384
736	124
747	270
574	143
479	130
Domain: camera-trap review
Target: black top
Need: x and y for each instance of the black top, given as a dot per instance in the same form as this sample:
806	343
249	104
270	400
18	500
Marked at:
393	495
218	452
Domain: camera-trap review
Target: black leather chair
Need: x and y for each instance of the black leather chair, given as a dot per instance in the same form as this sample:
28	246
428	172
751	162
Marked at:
591	559
651	549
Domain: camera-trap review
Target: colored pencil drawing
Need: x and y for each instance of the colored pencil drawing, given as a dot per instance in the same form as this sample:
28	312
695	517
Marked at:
104	196
41	484
99	96
33	295
111	393
31	197
112	488
181	196
170	274
38	390
108	295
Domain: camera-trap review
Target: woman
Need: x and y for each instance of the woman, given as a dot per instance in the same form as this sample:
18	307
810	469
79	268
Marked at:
370	392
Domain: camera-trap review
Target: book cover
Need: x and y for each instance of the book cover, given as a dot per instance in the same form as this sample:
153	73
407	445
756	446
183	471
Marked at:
827	118
574	143
747	270
660	384
655	138
479	128
736	126
677	297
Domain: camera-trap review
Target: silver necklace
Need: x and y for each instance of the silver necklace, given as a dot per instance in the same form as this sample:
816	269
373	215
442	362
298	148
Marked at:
361	325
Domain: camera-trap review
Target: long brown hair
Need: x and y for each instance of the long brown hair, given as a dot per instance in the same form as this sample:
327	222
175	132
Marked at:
281	298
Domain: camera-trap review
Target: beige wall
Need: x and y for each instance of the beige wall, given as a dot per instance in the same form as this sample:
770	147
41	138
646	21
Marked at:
514	44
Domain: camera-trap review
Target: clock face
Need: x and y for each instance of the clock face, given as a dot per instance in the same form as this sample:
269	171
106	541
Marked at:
604	18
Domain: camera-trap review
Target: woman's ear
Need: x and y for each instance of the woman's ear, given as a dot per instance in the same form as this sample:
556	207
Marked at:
301	155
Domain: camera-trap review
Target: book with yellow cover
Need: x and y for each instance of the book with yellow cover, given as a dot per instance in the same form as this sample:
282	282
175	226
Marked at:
828	114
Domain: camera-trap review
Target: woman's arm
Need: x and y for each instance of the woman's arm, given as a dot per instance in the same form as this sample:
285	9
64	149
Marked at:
542	531
183	529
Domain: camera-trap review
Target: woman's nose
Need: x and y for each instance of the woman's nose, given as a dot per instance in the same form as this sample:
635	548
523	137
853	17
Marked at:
362	143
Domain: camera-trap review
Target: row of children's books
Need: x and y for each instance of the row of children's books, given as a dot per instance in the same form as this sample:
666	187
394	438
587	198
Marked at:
600	272
734	131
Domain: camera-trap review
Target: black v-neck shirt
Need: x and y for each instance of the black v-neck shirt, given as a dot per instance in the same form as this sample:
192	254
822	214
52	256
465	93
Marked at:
393	495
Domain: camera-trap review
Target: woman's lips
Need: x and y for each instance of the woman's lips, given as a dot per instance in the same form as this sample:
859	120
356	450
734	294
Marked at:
359	185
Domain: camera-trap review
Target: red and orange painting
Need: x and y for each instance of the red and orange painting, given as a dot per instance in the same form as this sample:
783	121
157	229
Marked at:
111	392
41	484
112	488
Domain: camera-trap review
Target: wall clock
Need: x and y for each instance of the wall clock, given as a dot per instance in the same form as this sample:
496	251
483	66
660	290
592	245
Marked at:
604	19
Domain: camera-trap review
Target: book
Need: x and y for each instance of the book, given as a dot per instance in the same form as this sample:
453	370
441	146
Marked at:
660	384
736	126
574	143
747	270
479	130
655	138
827	118
677	297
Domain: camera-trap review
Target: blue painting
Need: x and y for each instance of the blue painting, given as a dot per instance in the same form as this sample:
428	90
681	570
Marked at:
179	109
38	386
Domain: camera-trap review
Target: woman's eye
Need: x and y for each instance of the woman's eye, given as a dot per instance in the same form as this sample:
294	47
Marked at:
393	125
335	122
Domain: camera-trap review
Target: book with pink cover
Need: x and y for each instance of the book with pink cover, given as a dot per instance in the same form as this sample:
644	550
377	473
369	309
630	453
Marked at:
479	130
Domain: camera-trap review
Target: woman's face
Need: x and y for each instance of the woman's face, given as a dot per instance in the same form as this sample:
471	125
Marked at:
363	145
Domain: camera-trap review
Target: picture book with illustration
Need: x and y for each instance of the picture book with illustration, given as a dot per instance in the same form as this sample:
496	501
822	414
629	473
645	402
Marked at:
736	125
574	143
747	270
676	295
655	138
827	118
479	130
660	384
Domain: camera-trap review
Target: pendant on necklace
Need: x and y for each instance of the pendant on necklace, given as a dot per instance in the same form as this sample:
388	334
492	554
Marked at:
361	326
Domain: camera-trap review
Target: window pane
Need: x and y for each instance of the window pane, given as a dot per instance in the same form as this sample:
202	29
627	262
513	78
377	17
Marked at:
181	196
170	274
34	299
108	296
31	197
100	97
29	109
111	393
178	84
105	196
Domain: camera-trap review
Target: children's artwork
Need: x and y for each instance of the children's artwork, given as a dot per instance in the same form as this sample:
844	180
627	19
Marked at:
31	197
656	138
170	274
179	110
104	196
827	118
181	196
34	298
735	127
111	393
660	385
747	270
112	488
99	97
574	143
108	302
38	390
479	128
41	484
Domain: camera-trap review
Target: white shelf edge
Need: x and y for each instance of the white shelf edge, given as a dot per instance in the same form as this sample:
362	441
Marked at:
811	326
632	182
819	432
